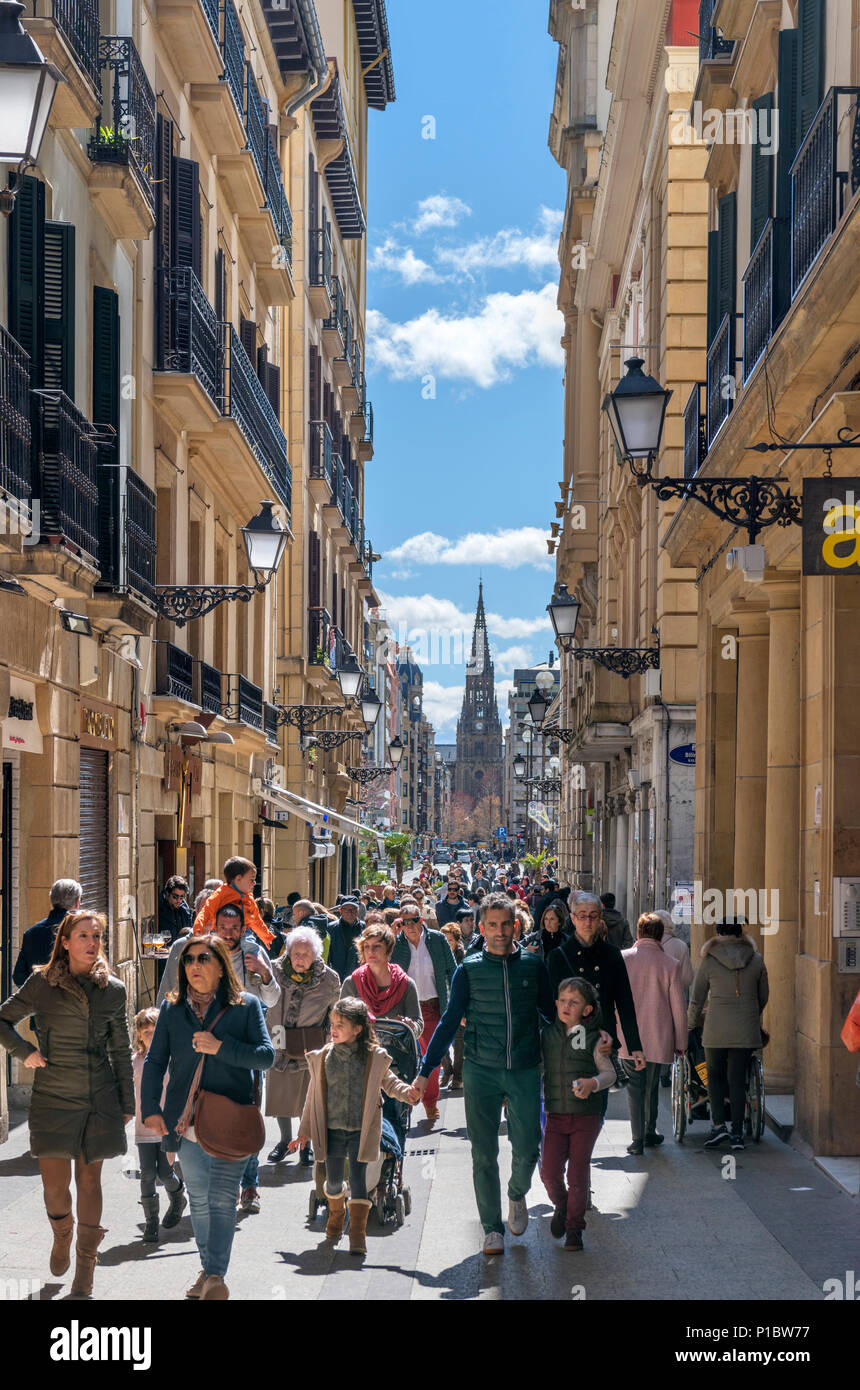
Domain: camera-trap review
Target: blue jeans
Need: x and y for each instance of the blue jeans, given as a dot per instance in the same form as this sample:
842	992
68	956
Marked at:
251	1172
213	1186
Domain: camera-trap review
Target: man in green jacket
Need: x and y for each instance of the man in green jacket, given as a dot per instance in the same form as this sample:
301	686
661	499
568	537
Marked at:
502	994
429	961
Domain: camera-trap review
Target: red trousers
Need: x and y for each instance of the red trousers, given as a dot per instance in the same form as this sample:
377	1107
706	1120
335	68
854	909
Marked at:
431	1015
569	1139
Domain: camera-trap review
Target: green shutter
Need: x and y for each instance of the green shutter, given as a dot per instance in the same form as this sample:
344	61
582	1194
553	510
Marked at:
60	306
728	257
106	414
810	29
761	184
26	257
789	119
713	284
186	230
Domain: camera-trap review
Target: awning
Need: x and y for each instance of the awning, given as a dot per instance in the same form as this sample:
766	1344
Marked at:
291	801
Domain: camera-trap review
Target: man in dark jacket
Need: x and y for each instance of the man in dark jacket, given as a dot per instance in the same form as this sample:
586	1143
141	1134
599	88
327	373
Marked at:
470	936
617	927
175	917
448	907
343	956
429	961
502	994
37	943
587	955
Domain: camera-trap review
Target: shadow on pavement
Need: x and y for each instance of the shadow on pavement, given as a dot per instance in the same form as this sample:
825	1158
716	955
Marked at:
24	1166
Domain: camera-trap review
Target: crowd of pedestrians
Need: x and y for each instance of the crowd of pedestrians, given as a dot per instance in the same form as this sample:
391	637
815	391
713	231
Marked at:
534	999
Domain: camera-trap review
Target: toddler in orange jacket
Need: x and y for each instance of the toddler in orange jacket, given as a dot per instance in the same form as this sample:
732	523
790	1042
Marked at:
241	876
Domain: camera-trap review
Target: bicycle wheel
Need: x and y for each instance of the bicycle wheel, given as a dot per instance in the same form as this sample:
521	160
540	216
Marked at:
679	1098
755	1100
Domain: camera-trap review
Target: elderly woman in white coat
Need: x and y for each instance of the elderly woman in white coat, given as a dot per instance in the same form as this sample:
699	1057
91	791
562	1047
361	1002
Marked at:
297	1023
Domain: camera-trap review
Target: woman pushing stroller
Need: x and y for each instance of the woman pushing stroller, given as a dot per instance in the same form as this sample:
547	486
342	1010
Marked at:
342	1116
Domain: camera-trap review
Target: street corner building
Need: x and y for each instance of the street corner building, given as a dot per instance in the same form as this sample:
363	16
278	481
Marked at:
708	702
182	363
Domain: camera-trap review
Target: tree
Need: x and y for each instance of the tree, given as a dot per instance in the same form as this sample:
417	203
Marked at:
398	846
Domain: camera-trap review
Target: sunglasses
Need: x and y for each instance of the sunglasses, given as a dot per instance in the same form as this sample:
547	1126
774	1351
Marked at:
410	919
202	958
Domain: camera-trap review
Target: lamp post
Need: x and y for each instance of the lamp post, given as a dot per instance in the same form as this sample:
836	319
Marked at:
27	88
623	661
265	542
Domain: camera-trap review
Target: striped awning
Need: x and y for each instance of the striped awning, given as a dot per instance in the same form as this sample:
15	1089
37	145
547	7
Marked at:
330	124
295	33
371	22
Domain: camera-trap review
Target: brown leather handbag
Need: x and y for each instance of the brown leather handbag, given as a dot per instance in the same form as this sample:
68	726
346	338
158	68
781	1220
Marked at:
298	1041
222	1127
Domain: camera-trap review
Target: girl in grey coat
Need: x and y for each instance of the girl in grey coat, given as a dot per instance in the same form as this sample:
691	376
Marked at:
732	981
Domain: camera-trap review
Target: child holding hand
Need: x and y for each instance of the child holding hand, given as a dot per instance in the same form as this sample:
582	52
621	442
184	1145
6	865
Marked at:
153	1159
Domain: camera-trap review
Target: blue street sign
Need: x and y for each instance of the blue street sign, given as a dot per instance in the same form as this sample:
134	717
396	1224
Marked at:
502	833
685	754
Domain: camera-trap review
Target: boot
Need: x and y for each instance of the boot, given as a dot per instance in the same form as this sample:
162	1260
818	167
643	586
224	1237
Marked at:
336	1214
63	1227
178	1203
359	1210
86	1249
150	1211
319	1182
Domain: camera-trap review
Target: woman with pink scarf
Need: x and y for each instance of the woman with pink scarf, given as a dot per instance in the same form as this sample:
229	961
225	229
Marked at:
386	989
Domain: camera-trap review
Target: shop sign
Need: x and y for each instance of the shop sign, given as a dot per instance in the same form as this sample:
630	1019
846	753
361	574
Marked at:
21	727
831	526
98	726
194	763
173	768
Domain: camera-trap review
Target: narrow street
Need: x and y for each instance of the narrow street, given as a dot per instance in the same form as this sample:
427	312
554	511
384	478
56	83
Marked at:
666	1227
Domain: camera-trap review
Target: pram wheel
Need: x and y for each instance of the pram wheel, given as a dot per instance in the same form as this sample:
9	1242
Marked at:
399	1209
407	1200
380	1208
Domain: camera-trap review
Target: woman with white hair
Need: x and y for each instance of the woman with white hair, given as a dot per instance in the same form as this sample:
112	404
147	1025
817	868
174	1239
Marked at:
297	1023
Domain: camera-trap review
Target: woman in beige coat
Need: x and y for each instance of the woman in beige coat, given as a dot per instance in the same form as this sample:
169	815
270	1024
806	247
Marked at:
342	1117
297	1022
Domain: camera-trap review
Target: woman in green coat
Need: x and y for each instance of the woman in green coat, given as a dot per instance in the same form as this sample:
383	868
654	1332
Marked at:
83	1090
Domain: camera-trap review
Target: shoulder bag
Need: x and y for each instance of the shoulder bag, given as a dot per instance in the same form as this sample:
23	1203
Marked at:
222	1127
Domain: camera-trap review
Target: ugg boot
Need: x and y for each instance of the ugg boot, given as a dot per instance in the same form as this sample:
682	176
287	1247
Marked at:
86	1249
178	1203
336	1214
359	1210
150	1211
63	1227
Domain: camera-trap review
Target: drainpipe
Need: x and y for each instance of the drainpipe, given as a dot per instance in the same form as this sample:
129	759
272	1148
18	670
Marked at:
318	76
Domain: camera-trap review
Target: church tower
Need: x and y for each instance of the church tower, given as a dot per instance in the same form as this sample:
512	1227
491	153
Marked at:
478	769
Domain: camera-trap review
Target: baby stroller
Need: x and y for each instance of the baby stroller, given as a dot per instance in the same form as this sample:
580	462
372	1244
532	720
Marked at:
690	1090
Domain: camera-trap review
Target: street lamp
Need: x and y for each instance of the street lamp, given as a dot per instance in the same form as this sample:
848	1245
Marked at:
538	706
396	749
350	676
28	85
370	708
563	610
265	542
636	410
519	766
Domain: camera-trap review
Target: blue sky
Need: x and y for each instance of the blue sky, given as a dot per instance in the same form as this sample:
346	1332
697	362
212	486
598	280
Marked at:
464	362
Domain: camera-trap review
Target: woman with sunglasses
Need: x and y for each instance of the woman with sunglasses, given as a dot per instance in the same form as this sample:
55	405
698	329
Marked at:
208	1015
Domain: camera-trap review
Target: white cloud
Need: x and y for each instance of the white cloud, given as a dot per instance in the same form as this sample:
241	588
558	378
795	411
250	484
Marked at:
408	612
442	705
509	248
510	331
524	545
440	210
403	262
513	658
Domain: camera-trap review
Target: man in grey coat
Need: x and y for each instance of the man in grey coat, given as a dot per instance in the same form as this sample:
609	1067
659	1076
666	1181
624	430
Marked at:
250	961
732	981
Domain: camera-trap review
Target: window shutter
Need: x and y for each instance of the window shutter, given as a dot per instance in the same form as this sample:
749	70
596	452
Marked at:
106	413
220	285
810	31
163	188
313	195
59	273
334	598
713	284
789	118
314	385
248	338
270	379
186	229
761	183
728	249
26	243
313	569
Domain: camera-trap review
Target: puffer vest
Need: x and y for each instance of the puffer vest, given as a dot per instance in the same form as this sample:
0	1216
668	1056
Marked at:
502	1021
565	1060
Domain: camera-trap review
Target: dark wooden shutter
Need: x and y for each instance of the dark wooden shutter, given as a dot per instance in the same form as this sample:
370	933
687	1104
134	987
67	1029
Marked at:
314	385
163	188
788	93
186	234
248	338
220	286
334	597
761	177
810	34
59	271
313	569
343	610
713	283
94	861
106	414
728	257
271	382
26	257
313	195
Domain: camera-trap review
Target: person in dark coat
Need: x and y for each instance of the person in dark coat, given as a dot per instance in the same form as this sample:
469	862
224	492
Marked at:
549	892
343	956
618	932
174	914
448	907
83	1087
37	943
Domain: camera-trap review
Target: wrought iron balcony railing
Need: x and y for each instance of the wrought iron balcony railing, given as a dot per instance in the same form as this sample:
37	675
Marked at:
246	402
695	443
270	722
347	337
337	650
244	702
335	318
721	381
319	258
357	372
233	52
819	178
126	514
128	137
255	123
79	22
66	458
174	672
212	13
207	688
758	285
710	43
188	334
319	629
15	431
276	200
321	452
339	485
368	423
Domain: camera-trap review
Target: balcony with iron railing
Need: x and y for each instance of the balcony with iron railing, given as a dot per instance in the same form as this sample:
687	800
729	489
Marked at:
207	687
319	272
174	676
342	364
721	380
246	403
218	89
711	44
827	160
364	445
319	630
122	146
758	283
16	481
321	461
65	478
191	34
333	324
127	540
189	359
244	703
695	442
274	258
67	34
270	723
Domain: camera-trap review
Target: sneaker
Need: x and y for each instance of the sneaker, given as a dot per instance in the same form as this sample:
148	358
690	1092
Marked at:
652	1140
717	1135
249	1200
573	1240
636	1150
494	1243
556	1225
737	1141
518	1216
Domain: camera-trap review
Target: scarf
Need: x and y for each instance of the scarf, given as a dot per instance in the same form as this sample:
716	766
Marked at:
295	997
380	999
199	1001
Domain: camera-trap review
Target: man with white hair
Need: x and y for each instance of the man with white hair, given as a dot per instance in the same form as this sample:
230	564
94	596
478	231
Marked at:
37	942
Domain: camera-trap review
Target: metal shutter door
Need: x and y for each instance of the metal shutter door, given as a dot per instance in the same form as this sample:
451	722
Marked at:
94	848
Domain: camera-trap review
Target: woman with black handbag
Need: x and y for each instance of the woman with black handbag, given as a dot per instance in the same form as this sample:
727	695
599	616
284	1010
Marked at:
298	1023
212	1036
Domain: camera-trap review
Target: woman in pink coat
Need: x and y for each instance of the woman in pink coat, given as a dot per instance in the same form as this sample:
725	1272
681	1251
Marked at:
655	980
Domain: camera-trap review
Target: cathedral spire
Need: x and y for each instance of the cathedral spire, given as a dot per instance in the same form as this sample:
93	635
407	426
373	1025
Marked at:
480	659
